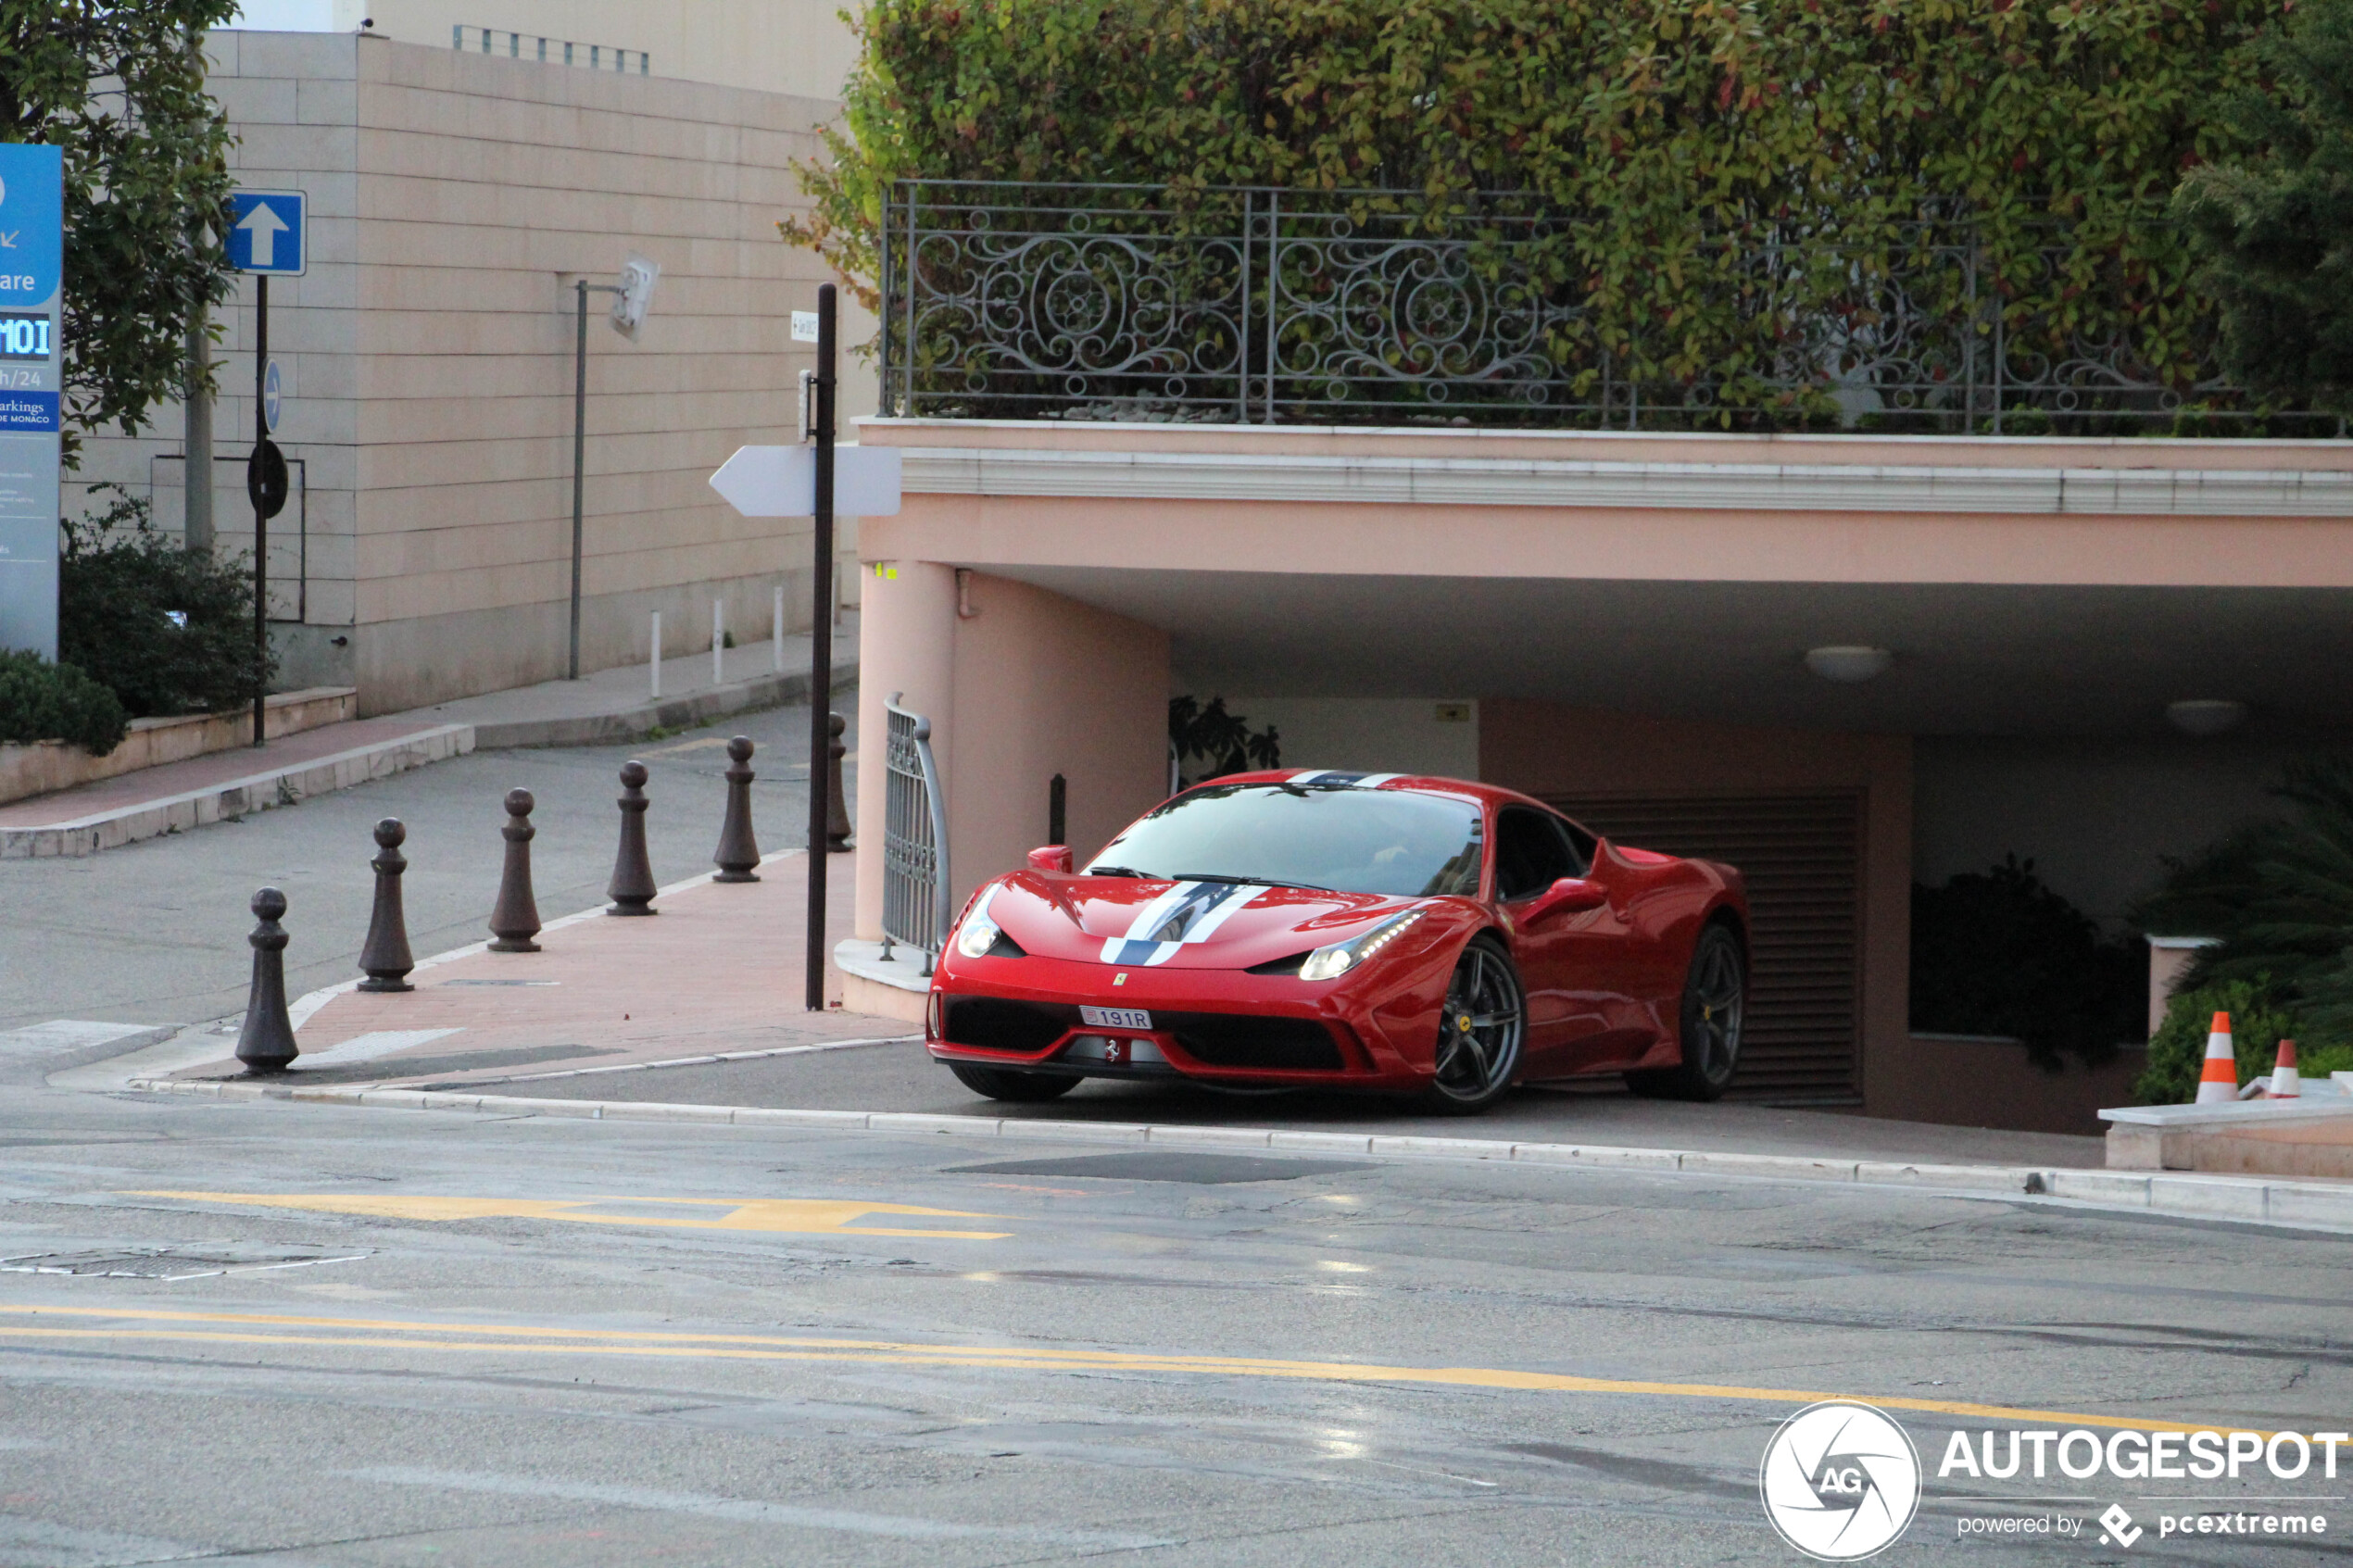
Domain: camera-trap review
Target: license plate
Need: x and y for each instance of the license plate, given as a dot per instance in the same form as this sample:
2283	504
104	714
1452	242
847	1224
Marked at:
1116	1018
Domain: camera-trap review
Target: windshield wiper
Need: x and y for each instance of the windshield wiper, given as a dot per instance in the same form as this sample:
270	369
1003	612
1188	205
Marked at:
1249	881
1113	871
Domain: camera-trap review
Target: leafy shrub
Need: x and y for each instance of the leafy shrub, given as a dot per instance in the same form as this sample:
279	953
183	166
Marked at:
122	591
43	701
1997	953
2177	1051
2280	895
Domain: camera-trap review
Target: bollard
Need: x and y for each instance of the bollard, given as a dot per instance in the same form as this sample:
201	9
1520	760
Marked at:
837	805
384	957
514	919
718	641
777	631
1058	810
737	855
632	890
657	656
266	1044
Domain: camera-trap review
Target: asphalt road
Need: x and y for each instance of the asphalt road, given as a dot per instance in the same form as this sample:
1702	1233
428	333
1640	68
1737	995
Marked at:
525	1341
155	932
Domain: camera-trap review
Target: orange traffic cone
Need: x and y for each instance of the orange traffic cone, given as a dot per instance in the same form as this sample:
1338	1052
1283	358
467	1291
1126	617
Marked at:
2286	1084
2219	1081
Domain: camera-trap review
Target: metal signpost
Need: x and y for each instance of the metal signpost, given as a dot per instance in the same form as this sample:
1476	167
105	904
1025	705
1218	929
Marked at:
269	236
800	482
31	356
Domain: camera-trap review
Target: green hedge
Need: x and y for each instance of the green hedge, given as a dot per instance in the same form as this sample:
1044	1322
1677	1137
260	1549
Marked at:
170	631
2260	1020
43	701
1654	130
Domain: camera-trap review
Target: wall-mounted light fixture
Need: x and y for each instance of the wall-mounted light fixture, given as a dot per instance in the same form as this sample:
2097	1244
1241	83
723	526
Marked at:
1848	665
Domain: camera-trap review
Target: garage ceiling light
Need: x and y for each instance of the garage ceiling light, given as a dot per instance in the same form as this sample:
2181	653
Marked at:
1848	666
2206	715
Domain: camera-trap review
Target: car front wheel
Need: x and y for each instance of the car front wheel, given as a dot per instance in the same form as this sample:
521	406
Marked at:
1479	1031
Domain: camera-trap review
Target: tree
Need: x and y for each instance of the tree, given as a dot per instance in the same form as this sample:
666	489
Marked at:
120	89
2278	223
2279	894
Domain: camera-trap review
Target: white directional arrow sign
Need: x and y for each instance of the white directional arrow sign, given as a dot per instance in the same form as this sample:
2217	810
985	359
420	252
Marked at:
263	226
781	480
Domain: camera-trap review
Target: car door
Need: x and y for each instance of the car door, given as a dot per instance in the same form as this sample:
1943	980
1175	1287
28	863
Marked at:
1533	851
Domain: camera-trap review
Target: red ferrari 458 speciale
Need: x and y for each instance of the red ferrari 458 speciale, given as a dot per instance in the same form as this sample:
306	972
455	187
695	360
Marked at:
1357	931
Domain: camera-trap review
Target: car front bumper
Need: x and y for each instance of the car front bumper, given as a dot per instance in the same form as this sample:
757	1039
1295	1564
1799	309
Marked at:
1222	1026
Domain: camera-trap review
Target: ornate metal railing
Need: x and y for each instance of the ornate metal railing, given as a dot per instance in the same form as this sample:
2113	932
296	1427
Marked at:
915	908
1081	302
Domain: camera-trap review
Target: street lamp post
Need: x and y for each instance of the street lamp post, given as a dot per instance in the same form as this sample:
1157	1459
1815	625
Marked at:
633	297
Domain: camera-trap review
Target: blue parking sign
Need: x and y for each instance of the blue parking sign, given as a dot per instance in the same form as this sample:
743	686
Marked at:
267	233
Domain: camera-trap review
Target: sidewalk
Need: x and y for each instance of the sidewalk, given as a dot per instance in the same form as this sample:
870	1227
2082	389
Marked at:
618	705
716	973
610	706
224	785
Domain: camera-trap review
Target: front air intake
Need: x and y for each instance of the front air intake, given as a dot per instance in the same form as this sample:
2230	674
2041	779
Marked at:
993	1023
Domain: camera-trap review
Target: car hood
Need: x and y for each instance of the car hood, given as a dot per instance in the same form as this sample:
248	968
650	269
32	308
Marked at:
1148	922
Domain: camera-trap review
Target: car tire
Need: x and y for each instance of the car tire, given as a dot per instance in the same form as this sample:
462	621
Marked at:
1476	1072
1715	1006
1004	1083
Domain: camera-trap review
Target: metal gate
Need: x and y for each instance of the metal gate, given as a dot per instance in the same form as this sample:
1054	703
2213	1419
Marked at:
915	907
1802	857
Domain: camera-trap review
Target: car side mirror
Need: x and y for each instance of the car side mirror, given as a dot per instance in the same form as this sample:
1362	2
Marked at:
1053	858
1570	894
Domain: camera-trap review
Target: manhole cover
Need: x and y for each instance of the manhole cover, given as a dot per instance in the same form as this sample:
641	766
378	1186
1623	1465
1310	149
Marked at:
194	1262
1205	1170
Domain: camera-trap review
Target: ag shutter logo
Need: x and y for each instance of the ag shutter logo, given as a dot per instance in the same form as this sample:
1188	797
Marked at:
1841	1481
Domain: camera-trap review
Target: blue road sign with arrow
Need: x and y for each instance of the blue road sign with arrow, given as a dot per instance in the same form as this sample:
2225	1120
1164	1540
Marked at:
268	232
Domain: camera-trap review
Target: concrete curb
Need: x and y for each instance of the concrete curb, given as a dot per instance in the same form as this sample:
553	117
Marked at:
2305	1204
687	712
288	785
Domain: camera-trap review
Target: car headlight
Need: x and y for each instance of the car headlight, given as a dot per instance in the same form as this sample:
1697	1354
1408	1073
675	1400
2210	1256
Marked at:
978	933
1331	962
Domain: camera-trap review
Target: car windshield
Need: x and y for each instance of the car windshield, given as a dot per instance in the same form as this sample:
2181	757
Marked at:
1344	839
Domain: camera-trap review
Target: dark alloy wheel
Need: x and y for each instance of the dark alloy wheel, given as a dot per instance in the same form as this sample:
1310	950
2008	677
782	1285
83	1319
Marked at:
1715	1001
1478	1032
1005	1082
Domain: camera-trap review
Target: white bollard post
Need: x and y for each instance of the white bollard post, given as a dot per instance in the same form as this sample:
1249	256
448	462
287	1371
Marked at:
776	637
657	658
718	640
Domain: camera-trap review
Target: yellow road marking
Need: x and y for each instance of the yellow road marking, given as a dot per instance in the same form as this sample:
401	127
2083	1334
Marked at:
386	1334
806	1216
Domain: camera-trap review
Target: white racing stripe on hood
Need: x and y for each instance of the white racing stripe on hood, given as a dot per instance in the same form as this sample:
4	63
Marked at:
1188	911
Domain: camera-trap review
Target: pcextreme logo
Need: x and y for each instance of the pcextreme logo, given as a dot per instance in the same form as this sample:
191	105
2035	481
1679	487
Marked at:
1841	1481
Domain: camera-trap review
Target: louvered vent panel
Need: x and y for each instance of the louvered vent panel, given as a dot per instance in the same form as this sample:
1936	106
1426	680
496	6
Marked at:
1802	857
